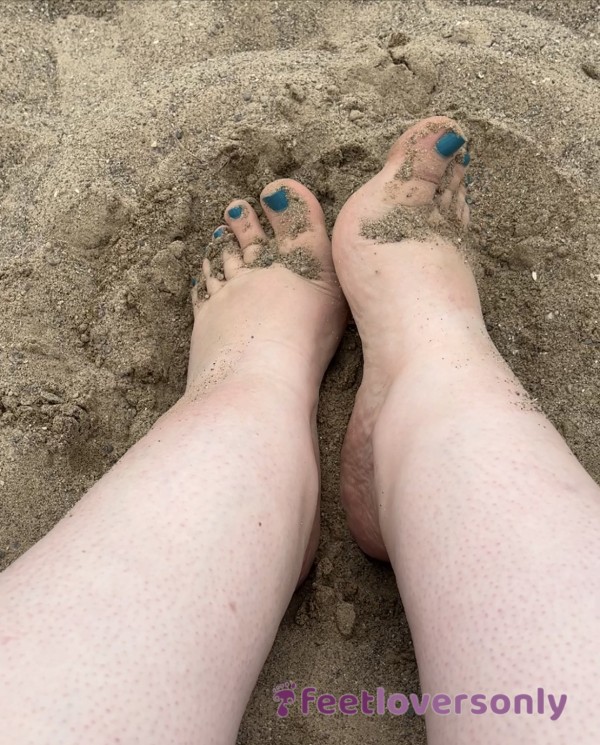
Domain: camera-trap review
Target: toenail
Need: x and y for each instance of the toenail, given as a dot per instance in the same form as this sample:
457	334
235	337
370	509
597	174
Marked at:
277	201
194	282
466	160
235	212
449	144
218	232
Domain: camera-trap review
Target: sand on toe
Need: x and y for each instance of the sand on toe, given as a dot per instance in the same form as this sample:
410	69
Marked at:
126	127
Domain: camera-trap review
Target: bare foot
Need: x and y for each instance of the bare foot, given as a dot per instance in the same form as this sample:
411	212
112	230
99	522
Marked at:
269	309
409	288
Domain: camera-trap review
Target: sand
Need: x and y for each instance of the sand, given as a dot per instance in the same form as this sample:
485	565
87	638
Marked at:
126	127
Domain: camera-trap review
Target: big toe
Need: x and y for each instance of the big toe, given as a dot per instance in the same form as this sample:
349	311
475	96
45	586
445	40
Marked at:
297	220
425	150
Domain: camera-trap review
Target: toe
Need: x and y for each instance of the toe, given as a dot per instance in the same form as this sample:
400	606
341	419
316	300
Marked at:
213	284
455	174
452	188
220	232
244	222
195	295
425	150
451	202
297	219
233	263
465	215
462	208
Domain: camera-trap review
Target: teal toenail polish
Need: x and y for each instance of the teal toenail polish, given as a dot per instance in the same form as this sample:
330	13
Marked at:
235	212
218	232
277	201
194	282
466	160
449	144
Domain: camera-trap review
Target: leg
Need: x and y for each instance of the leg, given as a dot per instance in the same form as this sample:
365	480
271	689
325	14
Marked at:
147	613
491	524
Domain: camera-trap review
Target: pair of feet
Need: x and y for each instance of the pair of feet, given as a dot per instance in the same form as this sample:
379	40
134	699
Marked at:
276	307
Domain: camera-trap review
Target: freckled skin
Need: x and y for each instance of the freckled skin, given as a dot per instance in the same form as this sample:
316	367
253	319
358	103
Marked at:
490	523
146	615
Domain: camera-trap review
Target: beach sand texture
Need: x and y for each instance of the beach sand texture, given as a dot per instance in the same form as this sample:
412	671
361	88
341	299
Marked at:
125	129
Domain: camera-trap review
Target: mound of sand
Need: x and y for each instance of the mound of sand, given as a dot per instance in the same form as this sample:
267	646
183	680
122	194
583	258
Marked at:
125	128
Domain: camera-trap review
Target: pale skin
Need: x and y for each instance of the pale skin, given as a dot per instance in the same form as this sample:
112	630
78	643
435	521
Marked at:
147	613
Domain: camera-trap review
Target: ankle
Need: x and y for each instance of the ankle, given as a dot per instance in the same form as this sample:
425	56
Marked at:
447	375
247	380
443	384
438	339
